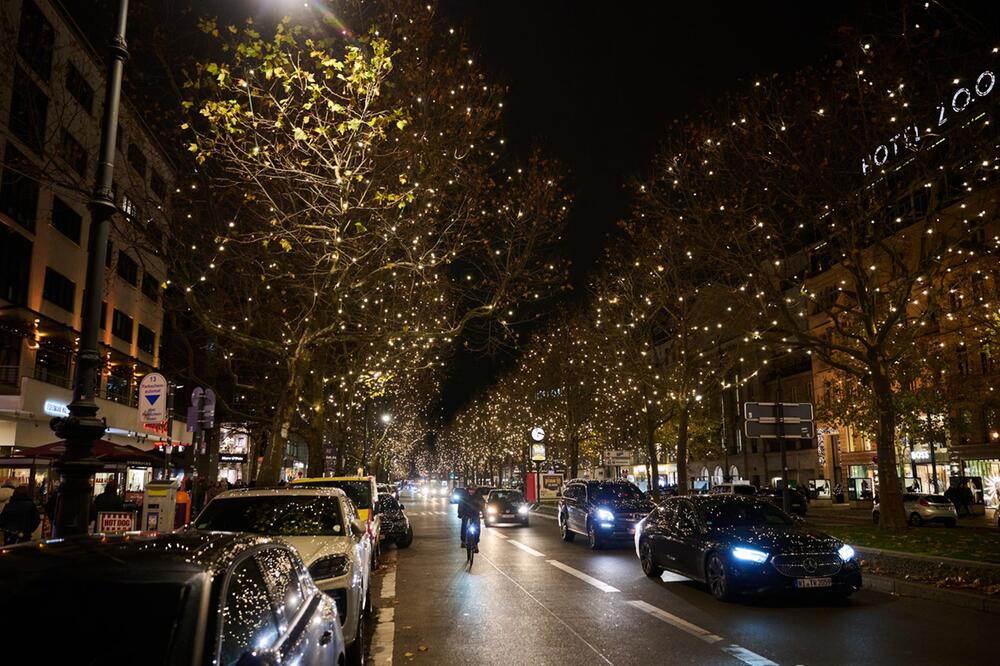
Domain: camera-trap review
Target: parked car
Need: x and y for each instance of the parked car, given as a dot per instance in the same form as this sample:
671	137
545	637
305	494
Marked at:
363	493
603	511
388	489
733	489
505	506
924	508
323	525
191	598
799	503
740	545
396	527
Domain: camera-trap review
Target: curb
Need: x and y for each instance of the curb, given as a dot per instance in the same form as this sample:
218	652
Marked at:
903	588
933	559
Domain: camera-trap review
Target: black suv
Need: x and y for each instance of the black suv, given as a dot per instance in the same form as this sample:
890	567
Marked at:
602	510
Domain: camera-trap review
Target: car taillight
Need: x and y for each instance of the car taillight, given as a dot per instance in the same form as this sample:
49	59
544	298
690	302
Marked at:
370	527
923	502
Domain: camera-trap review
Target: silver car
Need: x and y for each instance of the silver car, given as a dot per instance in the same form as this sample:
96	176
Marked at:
323	525
925	508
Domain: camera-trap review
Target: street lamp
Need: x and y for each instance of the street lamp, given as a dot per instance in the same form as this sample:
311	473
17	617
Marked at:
386	418
82	427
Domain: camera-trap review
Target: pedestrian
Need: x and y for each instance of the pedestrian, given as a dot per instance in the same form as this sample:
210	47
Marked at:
19	517
7	490
967	498
108	500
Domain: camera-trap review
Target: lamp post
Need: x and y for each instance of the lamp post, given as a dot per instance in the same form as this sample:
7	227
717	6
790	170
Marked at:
83	427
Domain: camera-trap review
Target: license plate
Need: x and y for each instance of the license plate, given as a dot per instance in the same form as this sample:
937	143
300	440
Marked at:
813	582
508	515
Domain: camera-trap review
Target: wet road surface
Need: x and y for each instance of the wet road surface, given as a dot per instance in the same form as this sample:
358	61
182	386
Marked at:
532	598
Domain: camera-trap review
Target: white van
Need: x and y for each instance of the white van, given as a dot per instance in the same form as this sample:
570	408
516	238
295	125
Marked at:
736	488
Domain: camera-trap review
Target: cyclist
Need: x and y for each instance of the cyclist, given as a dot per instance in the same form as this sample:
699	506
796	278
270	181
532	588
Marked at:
469	510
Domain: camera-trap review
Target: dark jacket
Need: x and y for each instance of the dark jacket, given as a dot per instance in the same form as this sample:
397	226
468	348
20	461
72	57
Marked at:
108	500
472	505
19	519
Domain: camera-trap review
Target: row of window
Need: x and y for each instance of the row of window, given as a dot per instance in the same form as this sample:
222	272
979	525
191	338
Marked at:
29	103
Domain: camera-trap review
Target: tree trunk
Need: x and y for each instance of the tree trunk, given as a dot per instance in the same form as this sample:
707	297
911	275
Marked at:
270	470
891	514
682	445
654	468
574	456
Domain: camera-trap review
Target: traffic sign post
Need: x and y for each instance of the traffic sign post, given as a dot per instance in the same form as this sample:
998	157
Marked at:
781	421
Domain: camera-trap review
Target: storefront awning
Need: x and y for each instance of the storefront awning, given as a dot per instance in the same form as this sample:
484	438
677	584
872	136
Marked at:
103	450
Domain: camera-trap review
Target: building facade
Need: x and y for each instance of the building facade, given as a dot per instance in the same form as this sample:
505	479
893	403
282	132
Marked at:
51	96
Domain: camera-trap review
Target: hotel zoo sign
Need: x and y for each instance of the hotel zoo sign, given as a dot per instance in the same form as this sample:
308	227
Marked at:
961	99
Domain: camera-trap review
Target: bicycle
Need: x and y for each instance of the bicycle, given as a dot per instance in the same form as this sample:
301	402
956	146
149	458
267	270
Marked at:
471	542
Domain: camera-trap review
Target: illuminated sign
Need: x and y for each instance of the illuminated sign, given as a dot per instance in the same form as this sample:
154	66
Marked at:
55	408
920	455
961	100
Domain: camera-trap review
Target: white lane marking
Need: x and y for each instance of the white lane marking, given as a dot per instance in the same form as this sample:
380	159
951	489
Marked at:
547	610
678	622
600	585
671	577
528	549
748	657
498	535
389	585
543	515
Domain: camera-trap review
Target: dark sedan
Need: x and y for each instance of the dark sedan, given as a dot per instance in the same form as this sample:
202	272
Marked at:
396	527
185	598
505	506
742	545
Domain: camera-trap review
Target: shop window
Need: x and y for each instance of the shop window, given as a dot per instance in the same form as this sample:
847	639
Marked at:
66	220
146	340
18	192
121	326
15	266
158	185
35	39
29	107
151	286
137	159
73	152
59	289
128	269
80	88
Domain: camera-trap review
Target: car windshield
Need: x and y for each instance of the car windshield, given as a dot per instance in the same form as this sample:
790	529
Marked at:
506	496
742	514
277	515
359	492
50	601
612	492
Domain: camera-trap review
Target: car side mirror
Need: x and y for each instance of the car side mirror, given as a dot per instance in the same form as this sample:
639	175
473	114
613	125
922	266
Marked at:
358	527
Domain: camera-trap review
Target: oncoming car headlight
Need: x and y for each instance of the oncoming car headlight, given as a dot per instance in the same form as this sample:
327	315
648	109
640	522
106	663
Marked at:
491	509
523	510
330	567
846	552
605	515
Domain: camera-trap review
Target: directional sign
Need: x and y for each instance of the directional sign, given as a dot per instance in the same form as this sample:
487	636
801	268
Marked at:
618	458
790	411
799	430
153	398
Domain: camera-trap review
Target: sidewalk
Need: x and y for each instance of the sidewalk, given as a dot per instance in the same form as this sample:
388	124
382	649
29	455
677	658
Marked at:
843	514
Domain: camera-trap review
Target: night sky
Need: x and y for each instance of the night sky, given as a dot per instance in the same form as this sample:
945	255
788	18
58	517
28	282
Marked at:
595	86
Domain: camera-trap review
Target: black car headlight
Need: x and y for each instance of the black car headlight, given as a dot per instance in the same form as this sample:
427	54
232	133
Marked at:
330	567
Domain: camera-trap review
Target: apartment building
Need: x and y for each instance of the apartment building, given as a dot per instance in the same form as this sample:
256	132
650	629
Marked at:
51	95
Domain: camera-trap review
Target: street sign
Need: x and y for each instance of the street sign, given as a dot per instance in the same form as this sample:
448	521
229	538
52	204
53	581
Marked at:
771	430
153	398
622	458
538	452
790	411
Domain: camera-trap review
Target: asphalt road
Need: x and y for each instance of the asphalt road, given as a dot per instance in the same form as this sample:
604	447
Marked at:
531	598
